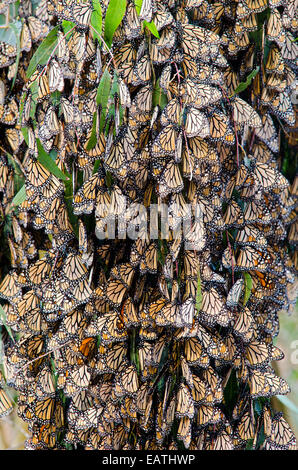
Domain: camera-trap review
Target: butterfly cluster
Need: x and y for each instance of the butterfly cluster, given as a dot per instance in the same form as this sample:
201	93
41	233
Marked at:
119	339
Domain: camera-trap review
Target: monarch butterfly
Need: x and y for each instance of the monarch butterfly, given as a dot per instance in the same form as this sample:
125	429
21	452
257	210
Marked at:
15	138
45	384
251	259
131	23
78	380
82	13
39	270
197	40
196	124
234	216
115	160
29	301
148	262
162	18
257	212
185	404
267	177
268	133
222	441
280	105
257	353
9	112
200	391
141	105
274	27
194	353
184	431
38	29
44	409
195	237
62	51
25	39
171	113
220	128
288	47
235	293
85	198
243	113
73	268
9	288
273	384
56	80
164	144
208	415
281	436
146	11
171	180
198	95
244	324
6	406
213	309
235	43
50	126
127	382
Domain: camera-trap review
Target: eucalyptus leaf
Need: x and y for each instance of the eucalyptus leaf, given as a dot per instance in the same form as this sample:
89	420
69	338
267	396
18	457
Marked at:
96	20
159	97
247	288
102	96
67	26
43	52
19	197
17	28
114	15
138	6
3	318
46	161
93	137
152	28
243	85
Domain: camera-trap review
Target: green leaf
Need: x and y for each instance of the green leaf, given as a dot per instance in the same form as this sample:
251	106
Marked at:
96	166
46	160
25	134
247	288
18	174
22	104
114	16
3	318
56	97
69	206
159	97
103	90
199	296
19	197
96	20
67	26
138	6
17	28
243	85
93	137
152	28
43	52
102	96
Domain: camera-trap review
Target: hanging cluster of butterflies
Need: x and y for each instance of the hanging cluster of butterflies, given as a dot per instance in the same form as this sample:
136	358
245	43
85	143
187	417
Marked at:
118	338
